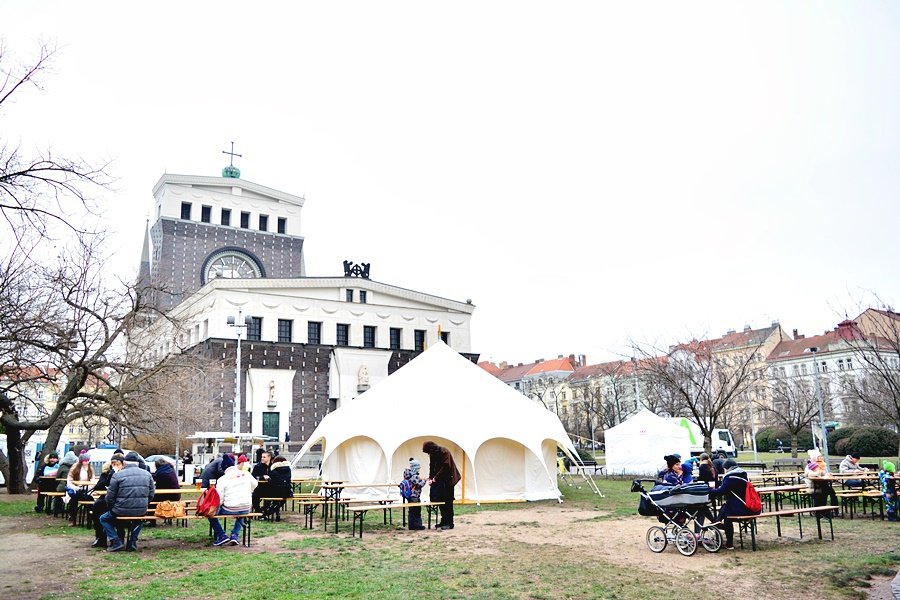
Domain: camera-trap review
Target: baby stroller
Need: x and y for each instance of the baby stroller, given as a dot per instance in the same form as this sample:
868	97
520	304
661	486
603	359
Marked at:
677	508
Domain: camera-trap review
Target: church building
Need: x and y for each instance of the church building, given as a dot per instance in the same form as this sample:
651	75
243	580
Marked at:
226	258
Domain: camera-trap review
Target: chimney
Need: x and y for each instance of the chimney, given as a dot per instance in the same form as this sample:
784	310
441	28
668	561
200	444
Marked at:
729	332
503	365
795	335
559	356
519	365
746	328
583	359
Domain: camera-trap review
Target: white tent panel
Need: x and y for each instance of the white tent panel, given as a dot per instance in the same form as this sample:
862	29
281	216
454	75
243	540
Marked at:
473	406
637	445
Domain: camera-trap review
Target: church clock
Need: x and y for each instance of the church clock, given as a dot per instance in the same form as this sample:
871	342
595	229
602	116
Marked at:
231	264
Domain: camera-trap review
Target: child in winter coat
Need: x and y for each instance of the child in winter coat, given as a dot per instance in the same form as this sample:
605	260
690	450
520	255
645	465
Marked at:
887	489
413	485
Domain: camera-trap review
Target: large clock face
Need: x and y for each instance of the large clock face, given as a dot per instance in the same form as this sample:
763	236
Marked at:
232	264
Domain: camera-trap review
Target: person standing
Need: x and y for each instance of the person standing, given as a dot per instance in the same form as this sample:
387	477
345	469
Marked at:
413	484
235	488
128	495
442	477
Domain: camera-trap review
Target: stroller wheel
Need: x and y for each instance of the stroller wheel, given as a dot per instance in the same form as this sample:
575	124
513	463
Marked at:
711	538
656	539
686	542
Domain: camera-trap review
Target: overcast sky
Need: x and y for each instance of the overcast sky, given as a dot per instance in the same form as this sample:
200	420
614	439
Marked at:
586	173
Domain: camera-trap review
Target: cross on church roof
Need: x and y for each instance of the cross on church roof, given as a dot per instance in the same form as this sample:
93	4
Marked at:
231	170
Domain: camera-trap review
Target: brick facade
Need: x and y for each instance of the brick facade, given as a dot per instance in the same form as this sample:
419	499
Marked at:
181	248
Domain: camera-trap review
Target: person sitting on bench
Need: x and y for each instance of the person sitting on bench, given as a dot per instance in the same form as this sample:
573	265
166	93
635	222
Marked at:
235	488
733	489
851	465
128	495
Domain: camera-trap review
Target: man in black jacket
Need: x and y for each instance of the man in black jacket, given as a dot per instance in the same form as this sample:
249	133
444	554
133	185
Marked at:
128	495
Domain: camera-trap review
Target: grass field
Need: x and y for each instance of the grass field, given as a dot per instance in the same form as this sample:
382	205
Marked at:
587	547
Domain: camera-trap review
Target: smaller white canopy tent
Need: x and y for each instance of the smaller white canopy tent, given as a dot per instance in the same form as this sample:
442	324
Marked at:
637	445
504	444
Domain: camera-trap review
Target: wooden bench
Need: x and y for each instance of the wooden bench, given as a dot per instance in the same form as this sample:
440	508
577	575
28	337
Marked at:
849	497
359	512
750	521
590	464
246	532
753	465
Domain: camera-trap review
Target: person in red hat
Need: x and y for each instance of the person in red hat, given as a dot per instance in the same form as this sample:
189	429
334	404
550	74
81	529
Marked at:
243	464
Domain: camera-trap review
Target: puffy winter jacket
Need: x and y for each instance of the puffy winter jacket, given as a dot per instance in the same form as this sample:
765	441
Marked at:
129	492
63	473
280	480
235	489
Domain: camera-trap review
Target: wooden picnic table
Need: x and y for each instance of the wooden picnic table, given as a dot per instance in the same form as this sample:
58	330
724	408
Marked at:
333	491
779	491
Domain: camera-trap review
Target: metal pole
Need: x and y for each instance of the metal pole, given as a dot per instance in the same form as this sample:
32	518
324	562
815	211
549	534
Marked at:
236	418
824	432
753	432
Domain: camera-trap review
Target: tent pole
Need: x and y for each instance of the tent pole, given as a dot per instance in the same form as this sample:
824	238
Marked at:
464	477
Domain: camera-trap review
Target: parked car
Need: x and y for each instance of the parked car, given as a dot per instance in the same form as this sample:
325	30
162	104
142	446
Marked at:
151	461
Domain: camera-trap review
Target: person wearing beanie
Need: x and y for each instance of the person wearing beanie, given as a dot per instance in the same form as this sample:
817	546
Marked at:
49	467
672	474
414	485
77	480
213	471
732	491
128	495
442	477
243	464
687	471
235	488
888	491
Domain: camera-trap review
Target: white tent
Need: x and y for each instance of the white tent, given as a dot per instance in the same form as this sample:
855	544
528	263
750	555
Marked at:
503	443
637	445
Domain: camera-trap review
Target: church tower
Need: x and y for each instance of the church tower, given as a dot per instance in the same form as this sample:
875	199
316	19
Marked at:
221	227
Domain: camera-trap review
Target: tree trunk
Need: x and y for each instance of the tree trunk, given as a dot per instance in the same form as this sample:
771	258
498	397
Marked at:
795	440
54	433
15	452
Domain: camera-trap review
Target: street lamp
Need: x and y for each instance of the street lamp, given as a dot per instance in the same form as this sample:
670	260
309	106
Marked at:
824	433
239	325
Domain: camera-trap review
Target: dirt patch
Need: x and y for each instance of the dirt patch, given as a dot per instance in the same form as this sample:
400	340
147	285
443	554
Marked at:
33	564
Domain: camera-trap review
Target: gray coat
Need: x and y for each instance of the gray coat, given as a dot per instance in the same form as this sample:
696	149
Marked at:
129	492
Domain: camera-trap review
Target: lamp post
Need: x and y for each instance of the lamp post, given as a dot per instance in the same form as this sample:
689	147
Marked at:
239	325
824	433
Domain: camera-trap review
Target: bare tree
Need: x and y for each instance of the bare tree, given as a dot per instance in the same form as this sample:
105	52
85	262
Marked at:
874	383
794	406
39	190
706	382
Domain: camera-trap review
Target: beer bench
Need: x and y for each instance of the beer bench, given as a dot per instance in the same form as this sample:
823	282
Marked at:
749	521
246	532
359	512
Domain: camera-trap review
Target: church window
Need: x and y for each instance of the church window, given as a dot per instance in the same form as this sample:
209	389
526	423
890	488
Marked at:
263	222
396	333
226	217
186	211
245	220
285	329
349	295
362	296
420	340
445	337
314	332
343	334
368	336
205	214
254	329
282	225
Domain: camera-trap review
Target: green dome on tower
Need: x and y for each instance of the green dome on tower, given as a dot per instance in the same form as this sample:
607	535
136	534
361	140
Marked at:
231	171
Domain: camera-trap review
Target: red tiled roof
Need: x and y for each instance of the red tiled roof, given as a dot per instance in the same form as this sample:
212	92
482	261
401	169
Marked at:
557	364
490	368
846	331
